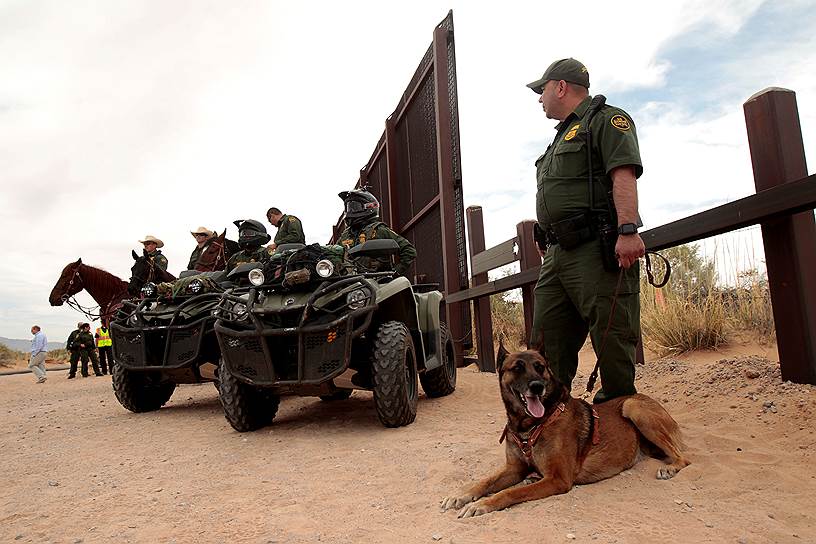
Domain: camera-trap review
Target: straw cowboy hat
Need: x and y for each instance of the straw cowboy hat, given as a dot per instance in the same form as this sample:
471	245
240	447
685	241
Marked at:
150	238
202	230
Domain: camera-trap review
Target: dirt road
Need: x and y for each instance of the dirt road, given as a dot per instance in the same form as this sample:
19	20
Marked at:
77	467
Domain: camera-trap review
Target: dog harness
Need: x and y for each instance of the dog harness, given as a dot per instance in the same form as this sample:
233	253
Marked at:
527	444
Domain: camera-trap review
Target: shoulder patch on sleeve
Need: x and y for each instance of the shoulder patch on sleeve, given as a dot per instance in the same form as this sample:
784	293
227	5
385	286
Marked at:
620	122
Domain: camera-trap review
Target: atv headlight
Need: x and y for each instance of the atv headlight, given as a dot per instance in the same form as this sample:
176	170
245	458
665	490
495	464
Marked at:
324	268
356	299
149	290
256	277
195	286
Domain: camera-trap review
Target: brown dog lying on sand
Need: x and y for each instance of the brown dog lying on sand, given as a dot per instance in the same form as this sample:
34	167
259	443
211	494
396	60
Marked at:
566	440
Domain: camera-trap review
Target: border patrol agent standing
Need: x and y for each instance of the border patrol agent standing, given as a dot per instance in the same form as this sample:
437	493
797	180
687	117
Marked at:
588	222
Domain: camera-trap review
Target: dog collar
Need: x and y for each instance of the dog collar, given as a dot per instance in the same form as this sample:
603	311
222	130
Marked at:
526	444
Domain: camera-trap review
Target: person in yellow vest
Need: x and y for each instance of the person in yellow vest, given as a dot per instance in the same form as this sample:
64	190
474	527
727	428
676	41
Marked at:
104	345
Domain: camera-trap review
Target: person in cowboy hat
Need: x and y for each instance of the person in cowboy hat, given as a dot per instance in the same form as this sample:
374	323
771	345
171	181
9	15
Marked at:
151	250
203	237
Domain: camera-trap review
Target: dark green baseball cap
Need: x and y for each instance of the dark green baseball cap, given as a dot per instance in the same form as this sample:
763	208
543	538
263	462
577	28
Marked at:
567	69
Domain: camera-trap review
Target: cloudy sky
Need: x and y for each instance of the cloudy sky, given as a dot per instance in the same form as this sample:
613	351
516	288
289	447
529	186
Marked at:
121	119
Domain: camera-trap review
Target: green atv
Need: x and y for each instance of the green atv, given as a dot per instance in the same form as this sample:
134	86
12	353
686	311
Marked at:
314	323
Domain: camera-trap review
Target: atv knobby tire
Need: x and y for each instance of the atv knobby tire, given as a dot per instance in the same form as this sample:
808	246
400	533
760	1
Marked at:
140	391
247	408
441	380
395	375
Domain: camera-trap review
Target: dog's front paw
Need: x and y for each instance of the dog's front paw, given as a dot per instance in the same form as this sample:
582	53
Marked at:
666	473
476	509
456	502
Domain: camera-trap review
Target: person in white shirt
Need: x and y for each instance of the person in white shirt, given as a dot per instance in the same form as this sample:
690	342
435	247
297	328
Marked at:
39	346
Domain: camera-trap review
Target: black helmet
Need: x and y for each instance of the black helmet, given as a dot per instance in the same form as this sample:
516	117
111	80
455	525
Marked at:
361	207
251	234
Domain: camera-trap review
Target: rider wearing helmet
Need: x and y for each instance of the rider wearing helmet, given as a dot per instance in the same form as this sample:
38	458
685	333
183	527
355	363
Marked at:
251	236
363	223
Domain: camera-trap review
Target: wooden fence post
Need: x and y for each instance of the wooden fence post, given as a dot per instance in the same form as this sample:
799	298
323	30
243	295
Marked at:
482	319
528	258
778	157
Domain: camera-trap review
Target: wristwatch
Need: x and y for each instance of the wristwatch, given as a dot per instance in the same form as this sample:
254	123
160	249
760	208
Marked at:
627	228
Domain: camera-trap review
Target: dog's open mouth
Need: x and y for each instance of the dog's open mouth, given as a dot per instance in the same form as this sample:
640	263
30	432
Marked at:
532	403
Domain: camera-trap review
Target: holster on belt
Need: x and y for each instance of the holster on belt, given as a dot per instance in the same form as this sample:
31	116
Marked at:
571	232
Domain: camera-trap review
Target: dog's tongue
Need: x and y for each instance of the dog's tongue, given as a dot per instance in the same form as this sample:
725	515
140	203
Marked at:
534	405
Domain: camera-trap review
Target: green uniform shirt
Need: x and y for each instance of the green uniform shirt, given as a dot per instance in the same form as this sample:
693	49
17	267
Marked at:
69	345
86	338
158	258
259	255
562	171
290	231
352	237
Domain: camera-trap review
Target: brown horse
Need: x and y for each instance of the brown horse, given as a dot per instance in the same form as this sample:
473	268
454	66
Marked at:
105	288
216	254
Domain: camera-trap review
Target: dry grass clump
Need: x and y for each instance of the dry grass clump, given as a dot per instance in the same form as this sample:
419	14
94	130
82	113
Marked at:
508	320
59	354
695	312
8	355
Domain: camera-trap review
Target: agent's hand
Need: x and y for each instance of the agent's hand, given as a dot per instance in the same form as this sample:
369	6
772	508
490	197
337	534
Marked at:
629	248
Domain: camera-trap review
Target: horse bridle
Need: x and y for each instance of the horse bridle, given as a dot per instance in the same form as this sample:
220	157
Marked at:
71	300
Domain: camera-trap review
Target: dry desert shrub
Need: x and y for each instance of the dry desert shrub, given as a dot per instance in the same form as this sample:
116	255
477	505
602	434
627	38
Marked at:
8	355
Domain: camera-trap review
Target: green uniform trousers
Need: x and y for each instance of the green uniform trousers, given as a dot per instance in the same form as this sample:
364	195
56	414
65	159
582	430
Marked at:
573	297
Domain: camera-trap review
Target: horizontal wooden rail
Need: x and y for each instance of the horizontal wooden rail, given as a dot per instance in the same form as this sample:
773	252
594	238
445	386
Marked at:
794	197
783	200
499	255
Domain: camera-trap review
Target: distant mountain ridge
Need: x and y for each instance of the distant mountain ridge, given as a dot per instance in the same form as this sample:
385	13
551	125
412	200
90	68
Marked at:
25	345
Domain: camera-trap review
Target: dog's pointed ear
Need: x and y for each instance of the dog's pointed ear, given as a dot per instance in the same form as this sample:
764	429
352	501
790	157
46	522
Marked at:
501	355
537	345
135	257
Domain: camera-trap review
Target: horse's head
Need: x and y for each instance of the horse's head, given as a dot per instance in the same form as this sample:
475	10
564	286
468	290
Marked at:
144	270
215	255
68	284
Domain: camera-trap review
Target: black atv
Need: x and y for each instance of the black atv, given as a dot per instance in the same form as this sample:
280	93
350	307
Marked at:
315	323
166	338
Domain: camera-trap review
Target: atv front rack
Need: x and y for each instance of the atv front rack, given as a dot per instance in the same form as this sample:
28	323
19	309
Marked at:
171	343
304	344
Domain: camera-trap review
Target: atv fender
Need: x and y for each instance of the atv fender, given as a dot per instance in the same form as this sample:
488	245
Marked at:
396	302
428	307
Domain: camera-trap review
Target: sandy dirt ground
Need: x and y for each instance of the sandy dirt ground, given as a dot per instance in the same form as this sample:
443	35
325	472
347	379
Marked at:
79	468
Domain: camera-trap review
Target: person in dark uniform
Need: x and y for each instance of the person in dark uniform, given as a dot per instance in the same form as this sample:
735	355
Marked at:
363	223
152	250
290	229
74	351
84	342
251	236
583	255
